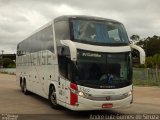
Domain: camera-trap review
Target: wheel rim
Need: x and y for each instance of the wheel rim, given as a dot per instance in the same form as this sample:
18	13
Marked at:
53	98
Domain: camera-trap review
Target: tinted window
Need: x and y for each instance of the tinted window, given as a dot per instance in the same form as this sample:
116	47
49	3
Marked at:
62	61
98	32
42	40
62	31
97	70
66	67
45	38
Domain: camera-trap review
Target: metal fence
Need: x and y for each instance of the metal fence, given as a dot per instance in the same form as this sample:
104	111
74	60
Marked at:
146	76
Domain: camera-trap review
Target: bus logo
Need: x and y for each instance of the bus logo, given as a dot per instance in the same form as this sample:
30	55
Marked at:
108	98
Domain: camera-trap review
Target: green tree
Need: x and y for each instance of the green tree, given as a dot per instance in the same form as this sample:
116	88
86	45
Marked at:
151	45
8	63
153	62
156	60
149	62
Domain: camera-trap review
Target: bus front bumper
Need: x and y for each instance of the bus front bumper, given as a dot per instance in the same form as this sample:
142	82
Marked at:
87	104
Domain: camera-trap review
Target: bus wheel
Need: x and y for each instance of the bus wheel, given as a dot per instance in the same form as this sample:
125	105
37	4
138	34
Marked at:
26	92
53	98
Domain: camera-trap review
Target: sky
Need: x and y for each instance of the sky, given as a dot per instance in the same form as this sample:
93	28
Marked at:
20	18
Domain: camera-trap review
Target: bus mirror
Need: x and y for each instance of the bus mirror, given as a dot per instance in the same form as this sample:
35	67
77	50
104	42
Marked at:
138	54
72	48
131	41
64	51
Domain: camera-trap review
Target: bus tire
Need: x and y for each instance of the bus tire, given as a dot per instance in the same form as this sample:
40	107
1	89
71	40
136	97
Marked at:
53	98
25	91
21	85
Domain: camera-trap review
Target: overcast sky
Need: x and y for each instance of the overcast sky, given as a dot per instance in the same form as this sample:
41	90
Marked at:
19	18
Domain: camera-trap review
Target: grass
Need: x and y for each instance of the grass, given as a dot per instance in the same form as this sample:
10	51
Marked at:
4	72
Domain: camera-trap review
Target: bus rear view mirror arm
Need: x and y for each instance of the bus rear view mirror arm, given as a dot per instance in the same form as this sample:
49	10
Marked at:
141	53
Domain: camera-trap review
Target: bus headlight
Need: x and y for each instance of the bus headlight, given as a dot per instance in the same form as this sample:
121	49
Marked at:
79	93
82	94
128	94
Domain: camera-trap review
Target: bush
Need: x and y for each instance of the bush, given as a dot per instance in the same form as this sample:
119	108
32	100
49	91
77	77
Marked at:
153	62
8	63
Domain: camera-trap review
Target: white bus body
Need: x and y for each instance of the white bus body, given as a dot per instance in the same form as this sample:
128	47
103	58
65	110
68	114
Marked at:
60	63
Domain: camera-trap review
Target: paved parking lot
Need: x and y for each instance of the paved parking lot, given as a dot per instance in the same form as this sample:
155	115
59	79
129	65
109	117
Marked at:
13	102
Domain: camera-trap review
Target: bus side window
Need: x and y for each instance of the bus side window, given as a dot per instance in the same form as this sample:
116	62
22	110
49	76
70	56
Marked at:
69	71
62	31
62	65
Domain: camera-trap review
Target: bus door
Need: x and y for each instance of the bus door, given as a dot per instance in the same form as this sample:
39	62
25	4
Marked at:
61	90
64	79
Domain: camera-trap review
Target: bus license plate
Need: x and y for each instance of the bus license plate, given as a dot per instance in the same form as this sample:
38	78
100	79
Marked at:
107	105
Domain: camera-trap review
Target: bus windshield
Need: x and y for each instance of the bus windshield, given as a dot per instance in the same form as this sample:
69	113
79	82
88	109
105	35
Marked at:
103	70
99	32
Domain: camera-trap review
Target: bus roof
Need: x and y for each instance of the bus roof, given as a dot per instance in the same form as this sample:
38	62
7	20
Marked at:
67	17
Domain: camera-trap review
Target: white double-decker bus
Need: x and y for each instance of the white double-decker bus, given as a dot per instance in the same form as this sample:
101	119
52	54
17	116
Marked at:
79	62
